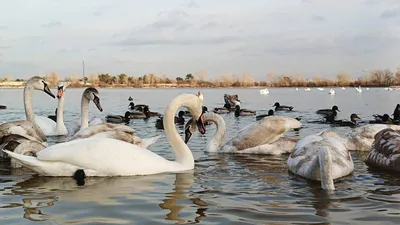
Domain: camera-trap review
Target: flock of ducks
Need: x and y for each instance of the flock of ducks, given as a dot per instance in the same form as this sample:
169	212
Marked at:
100	147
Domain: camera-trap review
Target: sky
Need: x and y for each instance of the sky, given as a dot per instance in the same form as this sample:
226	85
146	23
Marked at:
177	37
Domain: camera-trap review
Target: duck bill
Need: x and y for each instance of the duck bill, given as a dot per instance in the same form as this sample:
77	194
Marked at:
200	125
96	101
188	135
47	90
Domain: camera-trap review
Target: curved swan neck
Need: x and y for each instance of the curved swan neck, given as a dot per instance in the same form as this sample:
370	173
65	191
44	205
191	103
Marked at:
27	103
325	165
182	152
84	112
215	142
60	114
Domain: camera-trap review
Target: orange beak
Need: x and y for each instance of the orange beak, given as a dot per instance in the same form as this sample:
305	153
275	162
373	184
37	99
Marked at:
59	93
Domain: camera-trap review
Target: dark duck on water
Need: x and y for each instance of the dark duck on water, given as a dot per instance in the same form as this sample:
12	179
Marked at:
328	111
279	107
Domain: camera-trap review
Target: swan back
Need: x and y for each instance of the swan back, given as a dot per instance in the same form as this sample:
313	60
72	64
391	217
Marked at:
385	150
361	138
315	151
264	131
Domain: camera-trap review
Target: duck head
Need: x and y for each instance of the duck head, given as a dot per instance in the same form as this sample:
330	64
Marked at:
354	117
335	108
277	104
386	118
270	112
181	114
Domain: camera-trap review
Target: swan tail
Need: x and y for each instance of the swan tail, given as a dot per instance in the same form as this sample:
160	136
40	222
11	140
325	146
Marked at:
24	160
325	164
45	168
149	141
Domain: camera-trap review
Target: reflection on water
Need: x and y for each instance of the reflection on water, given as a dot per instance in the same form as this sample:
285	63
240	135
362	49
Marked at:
223	188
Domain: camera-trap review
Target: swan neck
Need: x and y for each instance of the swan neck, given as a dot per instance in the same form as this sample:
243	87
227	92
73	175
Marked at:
215	142
60	114
84	112
28	104
182	152
325	164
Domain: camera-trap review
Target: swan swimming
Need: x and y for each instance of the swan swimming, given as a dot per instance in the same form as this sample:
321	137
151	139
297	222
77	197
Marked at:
98	156
14	134
385	150
48	126
322	157
261	137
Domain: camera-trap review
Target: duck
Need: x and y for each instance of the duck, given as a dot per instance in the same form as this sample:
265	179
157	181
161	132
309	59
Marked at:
178	120
3	107
148	113
130	98
385	151
385	119
243	112
328	111
396	113
138	115
223	110
14	135
53	117
321	157
132	106
118	118
330	118
100	156
230	100
353	121
279	107
48	126
260	137
270	113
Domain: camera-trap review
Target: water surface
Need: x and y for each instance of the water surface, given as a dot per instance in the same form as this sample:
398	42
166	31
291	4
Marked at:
223	188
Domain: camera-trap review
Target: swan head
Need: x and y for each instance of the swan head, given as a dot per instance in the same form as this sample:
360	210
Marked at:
335	108
38	83
62	86
92	94
190	129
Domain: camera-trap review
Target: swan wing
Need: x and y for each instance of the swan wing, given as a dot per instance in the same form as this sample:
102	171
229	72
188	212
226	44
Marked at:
97	157
48	126
264	131
361	138
96	121
24	129
96	129
385	150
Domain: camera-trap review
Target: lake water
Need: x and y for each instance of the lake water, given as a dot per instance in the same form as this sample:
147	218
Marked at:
223	188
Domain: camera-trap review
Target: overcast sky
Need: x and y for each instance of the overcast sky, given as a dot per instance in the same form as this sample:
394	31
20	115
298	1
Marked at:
177	37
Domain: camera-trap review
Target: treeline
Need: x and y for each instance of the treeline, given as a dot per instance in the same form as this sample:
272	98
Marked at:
376	78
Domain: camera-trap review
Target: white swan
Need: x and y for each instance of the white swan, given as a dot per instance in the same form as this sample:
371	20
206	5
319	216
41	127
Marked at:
13	134
97	156
115	131
322	157
361	138
332	92
358	89
90	94
264	91
48	126
261	137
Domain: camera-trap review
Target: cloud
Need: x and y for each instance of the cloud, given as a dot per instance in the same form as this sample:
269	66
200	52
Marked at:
193	4
3	27
170	19
53	24
98	14
390	13
317	18
191	40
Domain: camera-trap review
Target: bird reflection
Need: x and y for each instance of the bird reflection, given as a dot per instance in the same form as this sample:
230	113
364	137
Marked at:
108	191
